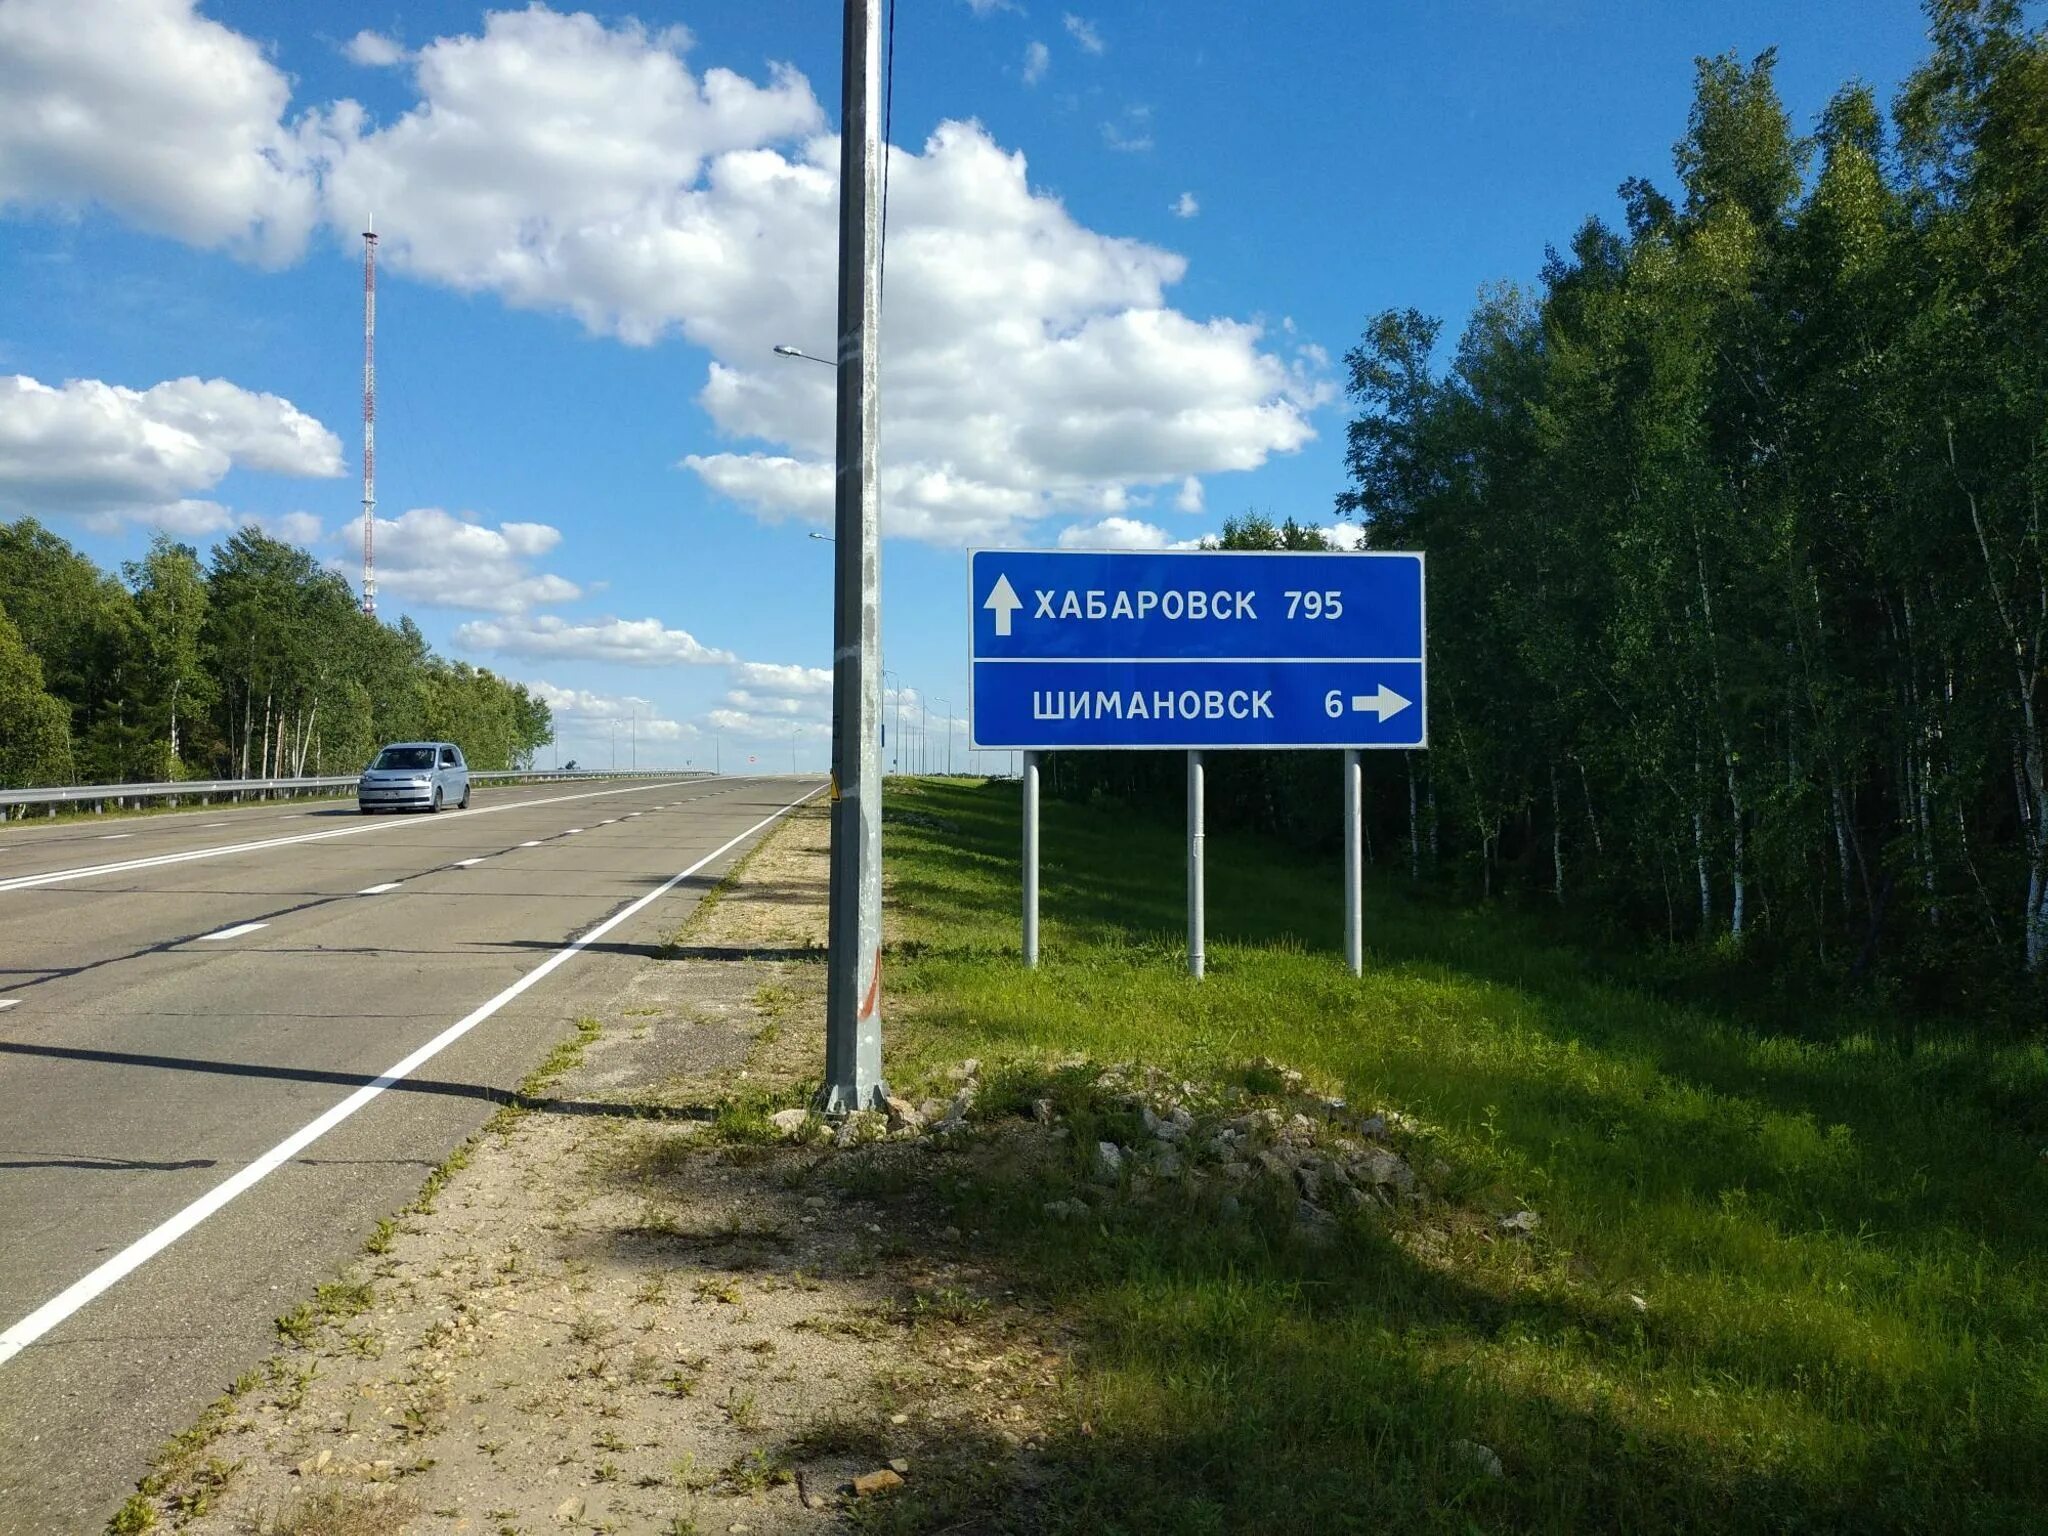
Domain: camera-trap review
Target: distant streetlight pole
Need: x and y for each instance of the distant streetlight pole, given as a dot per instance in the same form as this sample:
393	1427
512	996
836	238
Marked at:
896	730
853	975
949	733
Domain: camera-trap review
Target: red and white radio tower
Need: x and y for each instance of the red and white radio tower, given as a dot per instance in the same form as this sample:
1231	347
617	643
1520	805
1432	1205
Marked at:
369	420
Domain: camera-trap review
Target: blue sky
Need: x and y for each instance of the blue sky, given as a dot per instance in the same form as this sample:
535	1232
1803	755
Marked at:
592	471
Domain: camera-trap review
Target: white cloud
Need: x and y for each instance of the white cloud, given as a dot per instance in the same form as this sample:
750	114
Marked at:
581	706
432	557
630	642
1037	60
149	109
1345	535
91	448
1130	134
1084	33
375	50
986	8
777	677
555	161
1125	533
1115	533
1189	497
296	528
1033	369
1186	206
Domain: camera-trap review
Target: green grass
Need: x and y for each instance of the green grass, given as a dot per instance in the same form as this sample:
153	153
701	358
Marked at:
1841	1247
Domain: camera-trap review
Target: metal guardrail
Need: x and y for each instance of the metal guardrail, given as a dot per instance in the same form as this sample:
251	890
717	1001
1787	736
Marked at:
203	790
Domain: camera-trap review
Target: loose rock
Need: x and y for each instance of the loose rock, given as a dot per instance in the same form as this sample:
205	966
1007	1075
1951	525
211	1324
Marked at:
1109	1161
790	1122
871	1483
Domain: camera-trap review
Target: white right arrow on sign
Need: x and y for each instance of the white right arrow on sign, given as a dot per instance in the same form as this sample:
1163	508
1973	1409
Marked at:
1386	703
1004	602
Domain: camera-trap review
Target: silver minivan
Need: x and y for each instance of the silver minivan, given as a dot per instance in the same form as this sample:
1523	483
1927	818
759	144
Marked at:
414	776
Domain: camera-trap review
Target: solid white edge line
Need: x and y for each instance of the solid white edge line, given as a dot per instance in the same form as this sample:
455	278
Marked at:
379	890
155	861
230	933
150	1244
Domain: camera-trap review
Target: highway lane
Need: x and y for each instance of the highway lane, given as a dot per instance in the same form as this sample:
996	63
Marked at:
159	1046
28	846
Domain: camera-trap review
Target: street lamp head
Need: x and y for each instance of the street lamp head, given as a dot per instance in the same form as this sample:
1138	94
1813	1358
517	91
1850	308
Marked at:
783	349
822	538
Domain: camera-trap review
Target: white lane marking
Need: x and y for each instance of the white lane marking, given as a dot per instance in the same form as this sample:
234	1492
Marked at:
114	837
572	832
534	844
230	933
608	821
379	890
10	1002
55	876
153	1242
465	863
208	826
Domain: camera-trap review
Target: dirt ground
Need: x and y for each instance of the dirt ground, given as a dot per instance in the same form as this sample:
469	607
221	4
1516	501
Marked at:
625	1309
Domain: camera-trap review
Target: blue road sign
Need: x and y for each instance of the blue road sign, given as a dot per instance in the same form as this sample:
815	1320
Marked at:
1196	649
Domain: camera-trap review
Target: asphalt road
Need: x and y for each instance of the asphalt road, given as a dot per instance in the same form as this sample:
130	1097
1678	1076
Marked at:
155	1047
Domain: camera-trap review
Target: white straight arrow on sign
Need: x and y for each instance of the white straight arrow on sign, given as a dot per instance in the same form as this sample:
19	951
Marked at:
1386	703
1004	602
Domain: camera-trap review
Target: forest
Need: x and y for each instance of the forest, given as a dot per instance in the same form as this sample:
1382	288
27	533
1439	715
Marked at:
255	664
1738	586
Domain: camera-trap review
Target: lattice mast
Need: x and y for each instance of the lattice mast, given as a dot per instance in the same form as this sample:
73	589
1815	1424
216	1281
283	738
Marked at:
369	421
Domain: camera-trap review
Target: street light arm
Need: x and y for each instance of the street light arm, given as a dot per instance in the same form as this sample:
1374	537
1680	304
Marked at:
782	349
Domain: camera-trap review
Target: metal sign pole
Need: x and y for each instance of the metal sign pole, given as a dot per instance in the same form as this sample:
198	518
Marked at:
1197	918
1030	861
853	978
1354	861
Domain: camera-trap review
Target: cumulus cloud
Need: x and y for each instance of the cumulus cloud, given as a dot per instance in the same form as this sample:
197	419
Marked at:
1189	497
443	561
149	109
137	455
1185	206
1083	32
581	706
375	50
1115	533
1034	366
1037	60
629	642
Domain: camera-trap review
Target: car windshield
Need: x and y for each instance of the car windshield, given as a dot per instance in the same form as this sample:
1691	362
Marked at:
405	757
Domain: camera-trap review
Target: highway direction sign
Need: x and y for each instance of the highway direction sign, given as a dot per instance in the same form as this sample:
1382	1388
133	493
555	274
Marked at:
1196	650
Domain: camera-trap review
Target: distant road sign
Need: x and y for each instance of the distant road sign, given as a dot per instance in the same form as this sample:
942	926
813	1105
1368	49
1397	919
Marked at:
1196	650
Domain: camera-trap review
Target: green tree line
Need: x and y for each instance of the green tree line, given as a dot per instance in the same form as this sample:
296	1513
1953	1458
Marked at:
1737	571
256	663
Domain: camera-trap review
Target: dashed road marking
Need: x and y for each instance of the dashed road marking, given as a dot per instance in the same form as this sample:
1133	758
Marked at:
230	933
114	837
10	1002
379	890
465	863
535	843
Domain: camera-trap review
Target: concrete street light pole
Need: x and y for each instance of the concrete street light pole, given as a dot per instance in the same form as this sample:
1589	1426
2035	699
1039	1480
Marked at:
853	975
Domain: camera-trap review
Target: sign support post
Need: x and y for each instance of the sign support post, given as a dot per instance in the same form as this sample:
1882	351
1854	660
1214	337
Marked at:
1354	861
1197	915
853	965
1030	861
